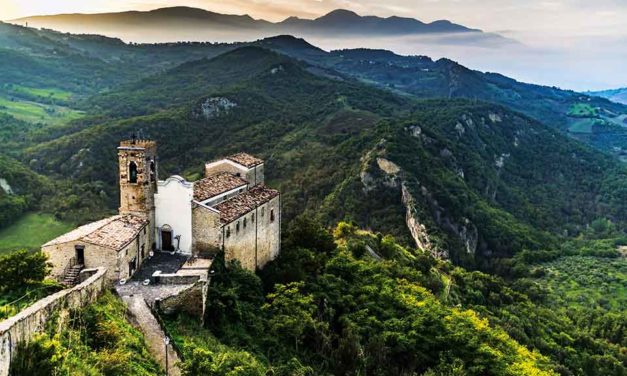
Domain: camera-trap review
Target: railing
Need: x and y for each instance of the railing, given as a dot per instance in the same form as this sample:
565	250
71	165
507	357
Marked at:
70	265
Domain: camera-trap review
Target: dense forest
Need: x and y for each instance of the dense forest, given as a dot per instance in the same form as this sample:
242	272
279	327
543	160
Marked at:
518	269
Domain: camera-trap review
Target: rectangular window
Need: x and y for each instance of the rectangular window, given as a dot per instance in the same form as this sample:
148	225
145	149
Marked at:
272	215
252	218
228	232
263	211
237	227
244	222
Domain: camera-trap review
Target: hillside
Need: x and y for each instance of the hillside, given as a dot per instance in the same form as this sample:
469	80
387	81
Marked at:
497	182
615	95
435	173
590	119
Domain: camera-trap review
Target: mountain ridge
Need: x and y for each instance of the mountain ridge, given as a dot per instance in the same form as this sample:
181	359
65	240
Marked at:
342	20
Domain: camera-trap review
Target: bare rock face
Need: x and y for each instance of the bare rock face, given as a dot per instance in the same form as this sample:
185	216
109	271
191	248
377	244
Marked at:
213	107
495	118
388	166
4	185
417	230
368	181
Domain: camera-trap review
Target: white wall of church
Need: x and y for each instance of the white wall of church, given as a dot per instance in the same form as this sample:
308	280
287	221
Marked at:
173	210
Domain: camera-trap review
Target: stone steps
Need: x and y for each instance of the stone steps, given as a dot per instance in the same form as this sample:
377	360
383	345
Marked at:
71	278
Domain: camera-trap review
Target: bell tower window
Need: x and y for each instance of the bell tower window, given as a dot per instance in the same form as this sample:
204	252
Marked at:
152	171
132	172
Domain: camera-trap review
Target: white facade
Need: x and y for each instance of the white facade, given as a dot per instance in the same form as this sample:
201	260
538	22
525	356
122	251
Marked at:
173	203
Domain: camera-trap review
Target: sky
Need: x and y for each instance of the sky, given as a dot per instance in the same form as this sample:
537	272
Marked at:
575	44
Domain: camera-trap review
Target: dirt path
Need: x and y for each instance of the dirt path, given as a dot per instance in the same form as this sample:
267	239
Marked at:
153	334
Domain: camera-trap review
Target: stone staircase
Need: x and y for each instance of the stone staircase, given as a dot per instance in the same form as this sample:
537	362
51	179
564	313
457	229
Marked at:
71	277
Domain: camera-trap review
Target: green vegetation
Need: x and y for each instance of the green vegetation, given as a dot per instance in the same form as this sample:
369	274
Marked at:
41	93
23	281
97	340
582	110
587	282
325	308
349	314
496	191
31	231
37	112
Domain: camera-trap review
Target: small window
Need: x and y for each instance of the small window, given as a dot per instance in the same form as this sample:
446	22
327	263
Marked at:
244	222
152	171
237	227
228	232
132	172
272	215
252	218
263	211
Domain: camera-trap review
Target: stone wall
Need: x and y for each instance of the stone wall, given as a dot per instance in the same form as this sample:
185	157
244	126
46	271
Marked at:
137	197
206	231
96	256
190	301
240	240
23	326
269	233
259	241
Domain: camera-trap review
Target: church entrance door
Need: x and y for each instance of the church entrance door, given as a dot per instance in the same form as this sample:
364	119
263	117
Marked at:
166	240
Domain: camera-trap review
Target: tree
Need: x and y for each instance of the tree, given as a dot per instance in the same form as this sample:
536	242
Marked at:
290	312
21	268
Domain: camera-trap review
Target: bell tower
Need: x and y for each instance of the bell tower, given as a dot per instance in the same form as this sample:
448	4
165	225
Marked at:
138	177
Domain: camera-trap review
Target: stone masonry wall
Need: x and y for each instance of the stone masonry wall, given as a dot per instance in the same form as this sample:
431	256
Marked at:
258	242
269	233
240	244
23	326
206	231
116	263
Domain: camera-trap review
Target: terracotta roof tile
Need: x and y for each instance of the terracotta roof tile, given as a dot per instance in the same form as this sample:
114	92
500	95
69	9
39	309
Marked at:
113	232
117	234
245	160
241	204
216	184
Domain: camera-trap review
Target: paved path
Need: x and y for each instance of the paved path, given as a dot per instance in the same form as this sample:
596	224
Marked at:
153	334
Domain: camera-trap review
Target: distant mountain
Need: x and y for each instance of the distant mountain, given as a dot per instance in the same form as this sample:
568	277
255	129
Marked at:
345	21
184	23
615	95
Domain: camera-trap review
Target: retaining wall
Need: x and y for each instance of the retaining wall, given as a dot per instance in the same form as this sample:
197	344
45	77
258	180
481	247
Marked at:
32	320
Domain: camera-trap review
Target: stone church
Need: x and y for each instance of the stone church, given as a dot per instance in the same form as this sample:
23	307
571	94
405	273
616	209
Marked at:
230	209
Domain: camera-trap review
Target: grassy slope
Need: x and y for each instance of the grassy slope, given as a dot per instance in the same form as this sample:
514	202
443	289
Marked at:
98	340
31	231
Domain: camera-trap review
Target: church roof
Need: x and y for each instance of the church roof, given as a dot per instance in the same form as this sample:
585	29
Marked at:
217	184
245	160
241	204
113	232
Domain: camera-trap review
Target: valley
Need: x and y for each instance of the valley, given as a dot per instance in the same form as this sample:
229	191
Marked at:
435	220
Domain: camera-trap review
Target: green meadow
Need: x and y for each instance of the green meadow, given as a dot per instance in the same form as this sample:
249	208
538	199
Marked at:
582	110
34	112
51	93
31	231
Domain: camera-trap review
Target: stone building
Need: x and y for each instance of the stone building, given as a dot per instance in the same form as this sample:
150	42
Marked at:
230	209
